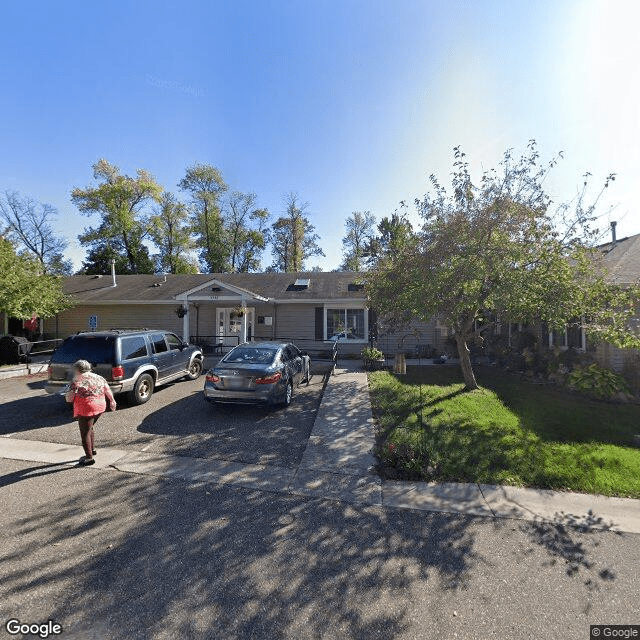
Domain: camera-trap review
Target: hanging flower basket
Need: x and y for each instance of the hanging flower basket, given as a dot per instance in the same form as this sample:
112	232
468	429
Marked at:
238	312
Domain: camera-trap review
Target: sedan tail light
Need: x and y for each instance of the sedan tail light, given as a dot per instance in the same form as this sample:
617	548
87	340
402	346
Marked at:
269	379
211	377
117	373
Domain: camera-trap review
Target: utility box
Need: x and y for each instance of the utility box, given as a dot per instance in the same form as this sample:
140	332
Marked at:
14	350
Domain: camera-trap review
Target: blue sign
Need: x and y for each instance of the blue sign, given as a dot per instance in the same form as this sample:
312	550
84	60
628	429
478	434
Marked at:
93	322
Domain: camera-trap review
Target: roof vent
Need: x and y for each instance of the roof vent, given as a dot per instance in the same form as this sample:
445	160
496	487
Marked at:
96	277
216	289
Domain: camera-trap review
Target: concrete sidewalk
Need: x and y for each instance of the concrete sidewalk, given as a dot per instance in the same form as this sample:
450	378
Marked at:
338	464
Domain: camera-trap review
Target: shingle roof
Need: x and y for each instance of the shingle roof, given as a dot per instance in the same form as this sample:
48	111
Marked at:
622	260
149	288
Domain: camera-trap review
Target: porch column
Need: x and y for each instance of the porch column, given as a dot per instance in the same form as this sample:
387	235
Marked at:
185	321
243	304
583	335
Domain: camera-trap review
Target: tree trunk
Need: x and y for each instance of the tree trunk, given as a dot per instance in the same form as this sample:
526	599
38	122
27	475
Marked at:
465	363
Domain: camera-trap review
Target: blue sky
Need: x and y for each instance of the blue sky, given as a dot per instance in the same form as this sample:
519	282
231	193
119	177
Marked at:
351	104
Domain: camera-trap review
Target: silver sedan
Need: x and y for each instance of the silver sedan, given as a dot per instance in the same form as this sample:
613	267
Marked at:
258	372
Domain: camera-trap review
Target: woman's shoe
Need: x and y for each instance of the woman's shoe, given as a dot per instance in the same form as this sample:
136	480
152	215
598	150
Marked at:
85	462
94	452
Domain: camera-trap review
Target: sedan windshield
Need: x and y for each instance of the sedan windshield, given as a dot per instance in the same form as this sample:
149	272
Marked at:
251	355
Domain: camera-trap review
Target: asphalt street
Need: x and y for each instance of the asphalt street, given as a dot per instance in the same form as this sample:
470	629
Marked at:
107	554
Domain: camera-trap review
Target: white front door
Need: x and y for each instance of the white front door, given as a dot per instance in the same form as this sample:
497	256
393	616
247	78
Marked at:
229	326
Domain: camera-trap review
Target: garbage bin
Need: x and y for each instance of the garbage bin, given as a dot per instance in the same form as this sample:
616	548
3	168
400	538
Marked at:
14	350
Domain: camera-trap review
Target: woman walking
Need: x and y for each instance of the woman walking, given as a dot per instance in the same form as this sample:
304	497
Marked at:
89	393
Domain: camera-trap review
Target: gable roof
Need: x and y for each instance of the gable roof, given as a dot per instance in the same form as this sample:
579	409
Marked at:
276	287
622	260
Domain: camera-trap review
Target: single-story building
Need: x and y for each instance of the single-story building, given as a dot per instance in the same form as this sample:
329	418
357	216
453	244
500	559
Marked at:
309	308
228	308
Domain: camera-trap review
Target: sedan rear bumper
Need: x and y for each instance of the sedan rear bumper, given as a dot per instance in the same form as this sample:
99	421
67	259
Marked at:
269	394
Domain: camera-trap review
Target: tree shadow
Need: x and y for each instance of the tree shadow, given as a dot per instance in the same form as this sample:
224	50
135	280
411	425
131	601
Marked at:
147	557
243	433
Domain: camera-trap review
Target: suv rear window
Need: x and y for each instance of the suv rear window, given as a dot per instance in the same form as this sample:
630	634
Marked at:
133	347
95	349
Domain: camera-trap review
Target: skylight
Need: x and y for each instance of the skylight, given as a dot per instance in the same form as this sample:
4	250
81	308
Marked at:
302	283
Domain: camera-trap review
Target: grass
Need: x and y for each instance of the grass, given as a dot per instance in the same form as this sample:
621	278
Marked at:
508	432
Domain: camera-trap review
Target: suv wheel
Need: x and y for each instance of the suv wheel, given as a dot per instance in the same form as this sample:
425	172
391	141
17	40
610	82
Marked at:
195	369
143	389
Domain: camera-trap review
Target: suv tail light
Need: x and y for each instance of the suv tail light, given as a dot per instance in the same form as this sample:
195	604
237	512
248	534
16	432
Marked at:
117	373
269	379
211	377
50	371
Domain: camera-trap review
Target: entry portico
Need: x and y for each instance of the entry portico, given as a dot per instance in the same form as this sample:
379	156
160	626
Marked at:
232	315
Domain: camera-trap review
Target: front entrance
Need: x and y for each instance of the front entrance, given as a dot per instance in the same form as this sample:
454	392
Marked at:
229	326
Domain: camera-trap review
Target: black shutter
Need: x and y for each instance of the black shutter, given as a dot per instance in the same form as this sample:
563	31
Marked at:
320	324
373	326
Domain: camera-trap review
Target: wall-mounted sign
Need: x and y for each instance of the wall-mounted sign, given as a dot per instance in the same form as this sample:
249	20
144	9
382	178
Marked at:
93	322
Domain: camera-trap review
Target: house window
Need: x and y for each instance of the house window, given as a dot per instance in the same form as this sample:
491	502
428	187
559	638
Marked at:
347	324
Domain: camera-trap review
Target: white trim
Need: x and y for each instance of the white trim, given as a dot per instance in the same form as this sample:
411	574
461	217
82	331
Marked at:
91	303
223	285
337	302
346	307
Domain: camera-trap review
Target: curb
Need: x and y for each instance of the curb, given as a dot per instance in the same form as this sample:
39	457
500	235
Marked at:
24	370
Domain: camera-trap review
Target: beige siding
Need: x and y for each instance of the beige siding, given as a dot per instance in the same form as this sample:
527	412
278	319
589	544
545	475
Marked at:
295	322
407	339
115	317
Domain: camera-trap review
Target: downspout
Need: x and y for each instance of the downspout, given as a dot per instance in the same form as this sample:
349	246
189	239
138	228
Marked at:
113	272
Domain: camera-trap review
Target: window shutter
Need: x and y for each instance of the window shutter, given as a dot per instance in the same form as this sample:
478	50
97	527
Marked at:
373	325
320	324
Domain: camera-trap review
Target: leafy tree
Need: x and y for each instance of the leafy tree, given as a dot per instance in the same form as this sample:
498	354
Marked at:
205	186
393	233
500	247
24	288
120	201
356	244
98	260
293	237
29	226
171	232
246	230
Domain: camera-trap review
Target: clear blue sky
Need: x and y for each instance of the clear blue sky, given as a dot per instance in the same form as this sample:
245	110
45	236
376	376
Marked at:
349	103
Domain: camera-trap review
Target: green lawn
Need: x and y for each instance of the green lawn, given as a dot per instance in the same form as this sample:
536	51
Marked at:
509	432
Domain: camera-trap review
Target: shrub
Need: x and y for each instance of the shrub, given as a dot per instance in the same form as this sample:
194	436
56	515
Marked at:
597	382
371	353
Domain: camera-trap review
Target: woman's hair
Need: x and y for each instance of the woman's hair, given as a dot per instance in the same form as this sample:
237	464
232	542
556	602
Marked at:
82	366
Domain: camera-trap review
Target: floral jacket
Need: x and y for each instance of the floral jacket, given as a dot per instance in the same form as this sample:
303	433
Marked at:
89	393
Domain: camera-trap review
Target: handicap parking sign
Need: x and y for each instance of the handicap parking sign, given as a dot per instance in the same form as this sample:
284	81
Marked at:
93	322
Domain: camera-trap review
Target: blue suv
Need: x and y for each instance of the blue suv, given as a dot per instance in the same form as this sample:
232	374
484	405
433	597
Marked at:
131	361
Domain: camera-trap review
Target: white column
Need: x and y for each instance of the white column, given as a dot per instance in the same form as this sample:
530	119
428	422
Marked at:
185	321
243	304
